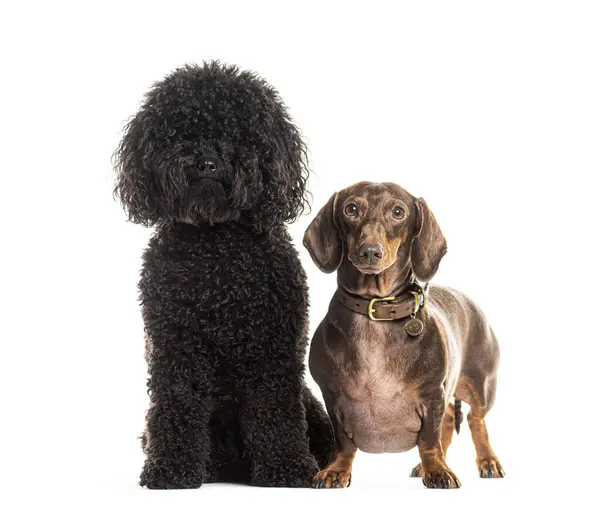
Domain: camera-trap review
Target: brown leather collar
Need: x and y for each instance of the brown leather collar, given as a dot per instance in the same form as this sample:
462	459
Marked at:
385	308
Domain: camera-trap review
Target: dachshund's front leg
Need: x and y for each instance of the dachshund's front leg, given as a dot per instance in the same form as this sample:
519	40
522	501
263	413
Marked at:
274	428
435	471
338	472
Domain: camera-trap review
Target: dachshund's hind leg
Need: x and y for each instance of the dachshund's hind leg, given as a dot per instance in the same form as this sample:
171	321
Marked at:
481	398
487	462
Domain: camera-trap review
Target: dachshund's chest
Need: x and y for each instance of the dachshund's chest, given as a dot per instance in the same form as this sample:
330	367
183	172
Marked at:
379	364
378	399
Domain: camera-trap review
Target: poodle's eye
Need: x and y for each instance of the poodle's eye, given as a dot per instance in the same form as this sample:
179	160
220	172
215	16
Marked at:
398	212
351	210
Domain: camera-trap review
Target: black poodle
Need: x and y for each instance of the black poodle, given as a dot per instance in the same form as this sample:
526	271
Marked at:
213	160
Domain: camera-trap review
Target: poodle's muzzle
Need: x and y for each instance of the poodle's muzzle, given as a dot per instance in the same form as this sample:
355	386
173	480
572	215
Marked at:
218	191
209	169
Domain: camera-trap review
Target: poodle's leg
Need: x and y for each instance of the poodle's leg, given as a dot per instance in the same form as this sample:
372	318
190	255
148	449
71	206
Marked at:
320	431
274	428
177	439
227	462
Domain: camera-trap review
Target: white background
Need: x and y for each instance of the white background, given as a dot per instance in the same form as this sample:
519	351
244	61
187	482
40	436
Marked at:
489	110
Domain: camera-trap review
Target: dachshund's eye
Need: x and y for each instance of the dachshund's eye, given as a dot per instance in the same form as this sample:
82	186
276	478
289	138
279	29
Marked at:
398	212
351	210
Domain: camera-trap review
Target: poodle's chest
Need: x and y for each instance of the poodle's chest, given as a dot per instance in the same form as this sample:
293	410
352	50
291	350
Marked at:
248	277
233	290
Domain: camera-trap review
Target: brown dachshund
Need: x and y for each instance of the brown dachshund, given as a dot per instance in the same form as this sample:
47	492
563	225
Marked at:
389	356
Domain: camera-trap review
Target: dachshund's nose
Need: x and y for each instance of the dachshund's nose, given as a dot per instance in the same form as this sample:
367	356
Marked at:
370	252
207	165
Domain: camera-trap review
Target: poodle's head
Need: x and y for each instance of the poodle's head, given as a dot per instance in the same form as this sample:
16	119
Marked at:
211	144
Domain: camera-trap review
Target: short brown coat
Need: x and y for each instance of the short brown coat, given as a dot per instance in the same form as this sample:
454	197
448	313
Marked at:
384	389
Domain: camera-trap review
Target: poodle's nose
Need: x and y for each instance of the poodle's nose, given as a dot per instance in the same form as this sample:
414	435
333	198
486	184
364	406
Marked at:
371	253
208	165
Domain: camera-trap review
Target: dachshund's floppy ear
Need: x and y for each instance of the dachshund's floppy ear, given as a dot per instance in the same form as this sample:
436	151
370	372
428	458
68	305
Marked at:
429	245
322	238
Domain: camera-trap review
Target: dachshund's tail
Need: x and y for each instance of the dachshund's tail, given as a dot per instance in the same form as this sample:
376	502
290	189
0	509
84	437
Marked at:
458	416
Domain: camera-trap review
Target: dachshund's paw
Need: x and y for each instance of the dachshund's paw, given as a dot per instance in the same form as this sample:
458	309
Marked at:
490	468
159	474
329	478
417	471
440	479
289	473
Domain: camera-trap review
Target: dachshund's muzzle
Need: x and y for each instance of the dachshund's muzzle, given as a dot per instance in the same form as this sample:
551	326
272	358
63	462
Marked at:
370	253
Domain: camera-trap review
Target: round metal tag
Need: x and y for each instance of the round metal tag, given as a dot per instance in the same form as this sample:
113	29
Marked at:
413	326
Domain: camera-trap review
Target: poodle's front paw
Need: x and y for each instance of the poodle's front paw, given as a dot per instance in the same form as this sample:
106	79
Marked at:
285	473
164	474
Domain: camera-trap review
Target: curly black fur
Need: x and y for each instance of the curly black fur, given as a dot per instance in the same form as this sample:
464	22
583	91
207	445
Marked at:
223	293
215	111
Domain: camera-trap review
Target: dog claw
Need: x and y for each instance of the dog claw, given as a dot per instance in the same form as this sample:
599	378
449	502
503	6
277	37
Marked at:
331	479
490	468
416	471
443	479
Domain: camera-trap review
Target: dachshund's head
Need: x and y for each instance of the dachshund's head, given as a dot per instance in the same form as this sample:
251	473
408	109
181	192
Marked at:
374	226
211	144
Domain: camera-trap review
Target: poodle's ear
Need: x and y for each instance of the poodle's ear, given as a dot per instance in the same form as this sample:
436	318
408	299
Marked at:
429	244
136	186
285	195
322	238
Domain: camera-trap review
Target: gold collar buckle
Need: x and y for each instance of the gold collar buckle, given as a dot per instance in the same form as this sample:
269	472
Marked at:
371	308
